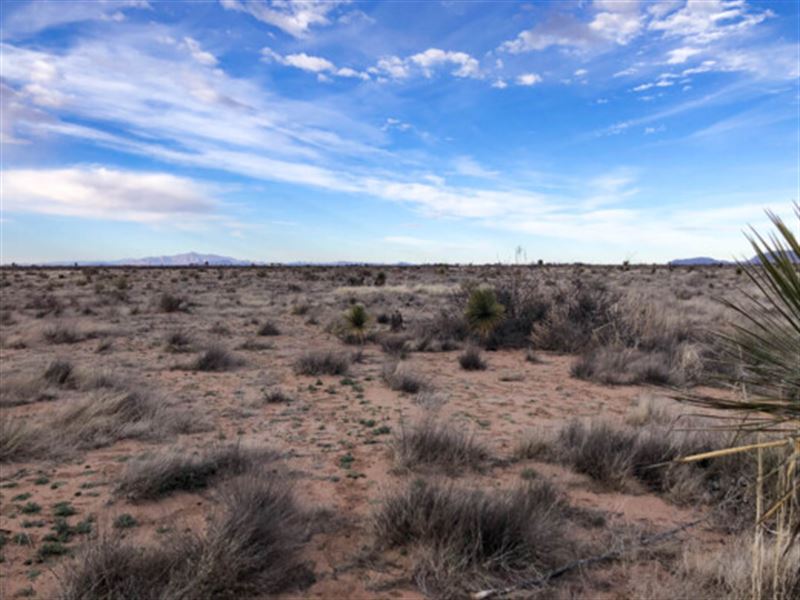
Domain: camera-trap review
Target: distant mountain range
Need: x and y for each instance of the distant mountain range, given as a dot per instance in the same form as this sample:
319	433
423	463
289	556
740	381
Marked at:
697	260
176	260
190	259
705	261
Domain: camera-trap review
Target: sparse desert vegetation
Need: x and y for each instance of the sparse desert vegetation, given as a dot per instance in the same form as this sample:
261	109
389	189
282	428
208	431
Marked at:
449	430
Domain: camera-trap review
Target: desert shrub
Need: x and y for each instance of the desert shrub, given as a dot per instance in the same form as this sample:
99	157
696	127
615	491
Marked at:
429	443
576	313
395	344
471	360
169	303
400	378
62	333
619	456
728	573
322	362
484	313
216	359
614	365
45	304
463	538
178	341
59	373
276	396
268	328
252	546
525	304
160	475
19	440
106	416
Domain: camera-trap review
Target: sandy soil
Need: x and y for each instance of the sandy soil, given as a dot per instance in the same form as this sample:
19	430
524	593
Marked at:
329	417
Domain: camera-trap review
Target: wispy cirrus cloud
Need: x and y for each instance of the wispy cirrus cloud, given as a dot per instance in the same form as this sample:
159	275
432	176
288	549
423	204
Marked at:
297	18
110	194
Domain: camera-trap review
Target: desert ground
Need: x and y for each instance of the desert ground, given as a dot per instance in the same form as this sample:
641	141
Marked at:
246	432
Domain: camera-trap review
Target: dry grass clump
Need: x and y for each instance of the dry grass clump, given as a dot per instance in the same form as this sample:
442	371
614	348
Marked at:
252	546
62	333
575	313
622	339
322	362
619	457
19	440
107	416
397	345
466	539
59	373
276	396
178	341
216	359
471	360
729	573
268	328
160	475
400	378
170	303
432	444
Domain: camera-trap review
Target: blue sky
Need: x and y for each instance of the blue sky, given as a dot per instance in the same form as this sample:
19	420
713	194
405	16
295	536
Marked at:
418	131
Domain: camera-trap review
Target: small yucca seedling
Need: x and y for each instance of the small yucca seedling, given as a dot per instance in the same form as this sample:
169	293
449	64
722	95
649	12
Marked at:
484	312
357	320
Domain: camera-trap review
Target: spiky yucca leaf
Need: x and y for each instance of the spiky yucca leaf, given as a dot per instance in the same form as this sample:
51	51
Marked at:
766	343
767	337
484	312
357	319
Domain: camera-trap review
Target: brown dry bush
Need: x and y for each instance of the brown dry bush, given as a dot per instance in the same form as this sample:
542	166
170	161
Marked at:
62	333
728	573
107	416
400	378
471	360
252	546
322	362
618	457
268	328
19	440
431	444
160	475
464	539
169	303
215	359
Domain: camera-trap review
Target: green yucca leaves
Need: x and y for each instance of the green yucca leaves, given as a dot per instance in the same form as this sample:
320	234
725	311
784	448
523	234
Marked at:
484	312
766	338
357	320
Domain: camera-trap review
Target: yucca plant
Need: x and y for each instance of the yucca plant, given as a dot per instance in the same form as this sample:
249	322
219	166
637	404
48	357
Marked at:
765	344
357	322
484	312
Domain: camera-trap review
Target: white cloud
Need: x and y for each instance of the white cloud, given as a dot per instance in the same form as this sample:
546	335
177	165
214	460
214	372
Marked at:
37	16
200	55
434	57
314	64
294	17
500	84
394	67
528	79
466	165
705	21
681	55
619	26
581	73
322	67
102	193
